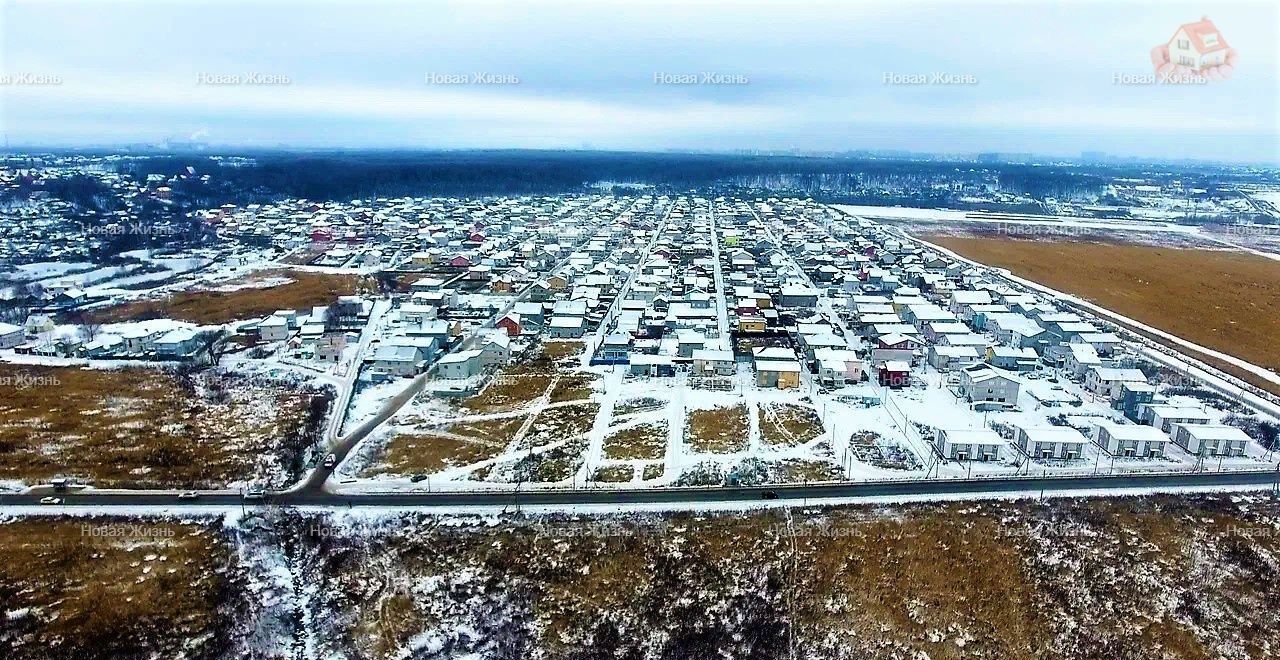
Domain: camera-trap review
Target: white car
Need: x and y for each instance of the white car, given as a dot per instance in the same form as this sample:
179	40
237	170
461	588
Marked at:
51	500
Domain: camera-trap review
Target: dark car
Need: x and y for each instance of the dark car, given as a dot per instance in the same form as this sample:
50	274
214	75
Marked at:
768	495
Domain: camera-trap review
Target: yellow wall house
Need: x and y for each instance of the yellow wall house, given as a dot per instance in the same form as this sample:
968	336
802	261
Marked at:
782	374
751	324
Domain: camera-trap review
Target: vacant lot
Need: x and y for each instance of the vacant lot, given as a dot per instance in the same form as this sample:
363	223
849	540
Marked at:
637	406
513	388
253	296
614	474
784	424
573	387
1155	578
1223	300
643	441
460	444
561	350
558	424
147	428
718	430
98	588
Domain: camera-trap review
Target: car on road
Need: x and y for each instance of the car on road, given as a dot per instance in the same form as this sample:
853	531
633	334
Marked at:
51	500
188	495
255	494
768	495
330	460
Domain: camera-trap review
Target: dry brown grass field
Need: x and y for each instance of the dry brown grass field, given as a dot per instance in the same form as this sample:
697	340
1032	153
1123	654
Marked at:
1158	578
1223	300
462	443
788	425
139	427
97	588
642	441
717	430
213	307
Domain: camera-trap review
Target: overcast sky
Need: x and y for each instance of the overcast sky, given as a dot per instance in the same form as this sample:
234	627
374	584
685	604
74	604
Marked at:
1046	77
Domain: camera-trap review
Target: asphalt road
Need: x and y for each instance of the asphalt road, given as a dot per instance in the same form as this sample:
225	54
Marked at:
812	493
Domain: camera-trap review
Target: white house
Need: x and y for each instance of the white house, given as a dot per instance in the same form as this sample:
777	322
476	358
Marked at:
274	328
139	339
1046	442
495	349
707	361
1164	417
947	358
969	444
1210	439
1195	46
1080	358
178	343
390	360
1129	439
567	327
1105	381
11	335
38	324
982	383
839	367
462	364
413	313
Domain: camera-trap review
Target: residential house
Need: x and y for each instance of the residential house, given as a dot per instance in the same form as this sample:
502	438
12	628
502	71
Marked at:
894	374
1129	440
839	367
511	324
782	374
567	327
1164	416
331	346
1080	358
11	335
495	349
1106	382
798	296
1046	442
179	344
949	358
707	361
462	364
969	444
652	365
390	360
1013	359
38	324
982	383
615	348
1211	439
273	328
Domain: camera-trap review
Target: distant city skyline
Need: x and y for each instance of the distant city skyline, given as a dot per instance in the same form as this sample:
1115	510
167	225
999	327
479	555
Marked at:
1057	79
